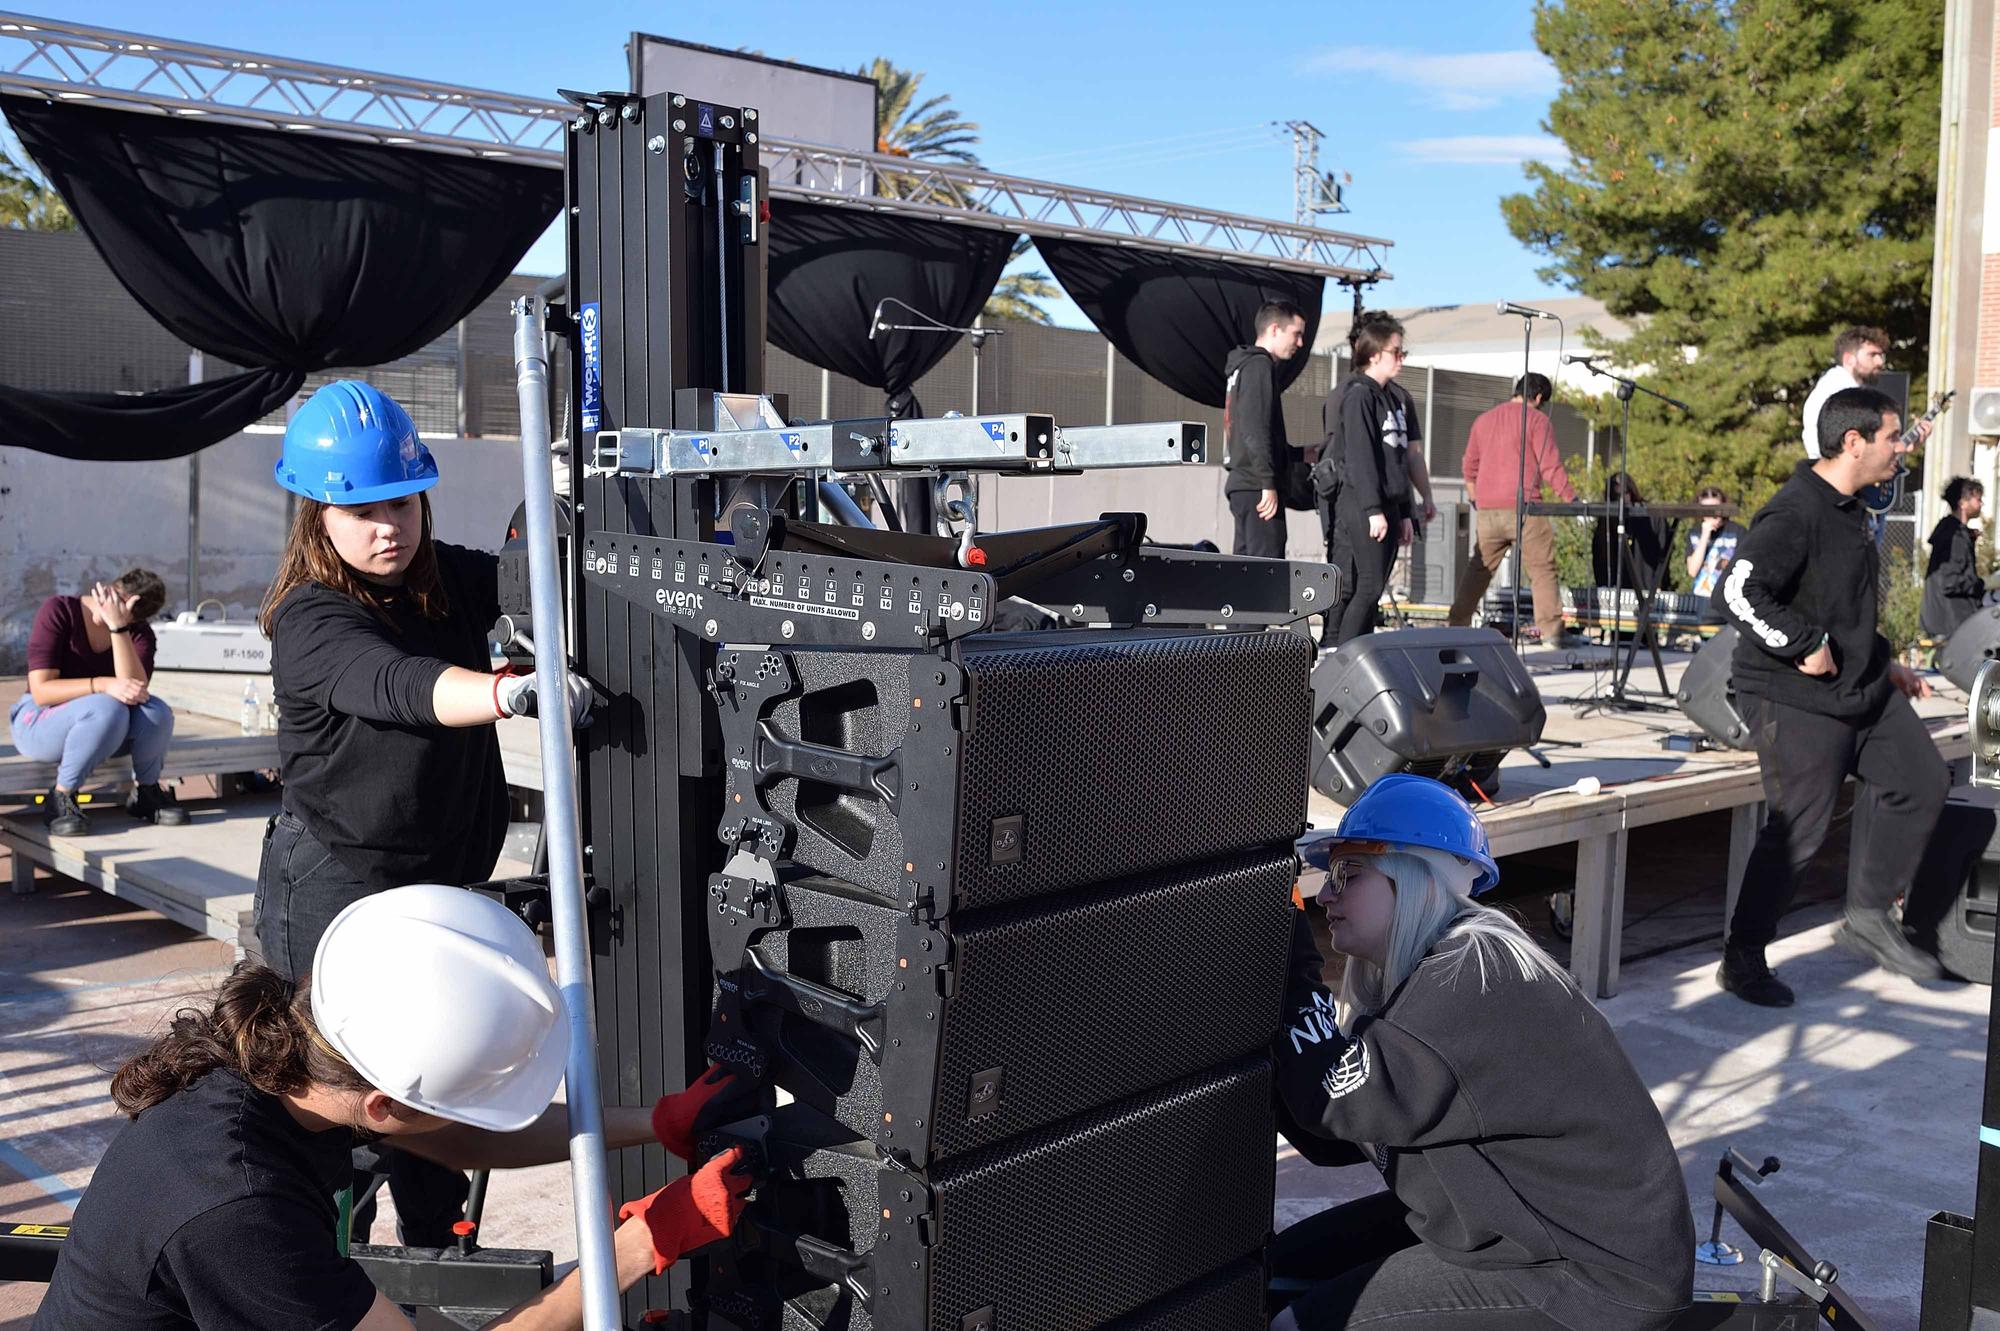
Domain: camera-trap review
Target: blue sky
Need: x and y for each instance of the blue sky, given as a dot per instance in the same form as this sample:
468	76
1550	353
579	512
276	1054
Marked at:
1429	106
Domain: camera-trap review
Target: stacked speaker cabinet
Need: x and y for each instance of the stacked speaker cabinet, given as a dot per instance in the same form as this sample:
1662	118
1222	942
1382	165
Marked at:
1006	926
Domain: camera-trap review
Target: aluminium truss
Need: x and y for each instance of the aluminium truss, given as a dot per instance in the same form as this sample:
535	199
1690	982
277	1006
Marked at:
76	62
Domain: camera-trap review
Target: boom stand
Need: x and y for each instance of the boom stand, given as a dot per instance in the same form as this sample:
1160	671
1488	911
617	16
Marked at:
1520	486
1618	697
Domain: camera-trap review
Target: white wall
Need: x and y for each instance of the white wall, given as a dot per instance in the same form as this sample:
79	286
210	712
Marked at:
65	524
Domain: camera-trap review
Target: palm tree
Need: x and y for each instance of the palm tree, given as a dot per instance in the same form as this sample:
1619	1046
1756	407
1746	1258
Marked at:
929	131
1016	296
27	202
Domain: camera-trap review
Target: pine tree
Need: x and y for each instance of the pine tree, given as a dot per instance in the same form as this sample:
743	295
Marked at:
1745	179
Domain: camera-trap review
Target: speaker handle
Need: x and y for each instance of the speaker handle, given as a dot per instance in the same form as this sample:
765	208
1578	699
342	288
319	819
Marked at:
820	1259
863	1022
878	778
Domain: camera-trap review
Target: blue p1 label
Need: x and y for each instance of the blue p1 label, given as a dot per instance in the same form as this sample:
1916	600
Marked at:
588	323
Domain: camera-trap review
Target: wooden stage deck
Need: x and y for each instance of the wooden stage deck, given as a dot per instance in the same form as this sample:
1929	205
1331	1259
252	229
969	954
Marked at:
1643	784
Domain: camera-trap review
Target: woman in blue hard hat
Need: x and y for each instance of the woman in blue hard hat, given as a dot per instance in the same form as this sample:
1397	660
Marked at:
386	697
1531	1182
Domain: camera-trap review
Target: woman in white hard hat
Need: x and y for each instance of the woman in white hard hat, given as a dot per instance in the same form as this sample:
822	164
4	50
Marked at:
386	704
430	1020
1531	1183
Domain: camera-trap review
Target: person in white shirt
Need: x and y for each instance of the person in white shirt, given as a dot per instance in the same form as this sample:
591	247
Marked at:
1859	355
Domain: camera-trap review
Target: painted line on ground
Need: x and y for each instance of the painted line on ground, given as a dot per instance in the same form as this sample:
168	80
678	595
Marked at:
48	1183
153	982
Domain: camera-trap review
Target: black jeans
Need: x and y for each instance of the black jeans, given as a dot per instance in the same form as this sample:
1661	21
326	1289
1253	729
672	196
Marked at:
1373	1271
1255	535
1363	566
300	888
1805	758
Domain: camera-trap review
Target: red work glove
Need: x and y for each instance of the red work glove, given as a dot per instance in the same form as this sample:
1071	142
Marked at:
675	1116
695	1211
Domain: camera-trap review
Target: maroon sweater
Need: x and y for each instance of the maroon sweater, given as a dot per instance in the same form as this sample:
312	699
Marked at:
60	642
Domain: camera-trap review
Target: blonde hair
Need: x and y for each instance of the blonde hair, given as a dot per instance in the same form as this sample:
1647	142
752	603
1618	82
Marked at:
1436	923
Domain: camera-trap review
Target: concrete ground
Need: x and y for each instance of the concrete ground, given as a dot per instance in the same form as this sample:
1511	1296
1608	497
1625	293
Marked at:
1868	1090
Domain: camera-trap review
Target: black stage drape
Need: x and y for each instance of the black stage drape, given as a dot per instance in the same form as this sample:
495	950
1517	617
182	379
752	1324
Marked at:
1176	316
830	267
290	253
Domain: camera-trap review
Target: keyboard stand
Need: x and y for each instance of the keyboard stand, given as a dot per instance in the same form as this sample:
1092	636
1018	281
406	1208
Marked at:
1643	632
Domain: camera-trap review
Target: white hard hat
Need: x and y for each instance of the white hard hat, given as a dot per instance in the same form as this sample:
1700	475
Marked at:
440	997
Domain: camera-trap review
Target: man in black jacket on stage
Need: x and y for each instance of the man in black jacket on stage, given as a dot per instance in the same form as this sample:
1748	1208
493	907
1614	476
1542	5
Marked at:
1255	451
1825	701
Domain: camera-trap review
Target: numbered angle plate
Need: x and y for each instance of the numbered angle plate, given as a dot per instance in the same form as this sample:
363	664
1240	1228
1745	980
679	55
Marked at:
806	600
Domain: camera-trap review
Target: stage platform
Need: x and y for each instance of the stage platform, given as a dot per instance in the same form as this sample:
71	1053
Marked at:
1536	808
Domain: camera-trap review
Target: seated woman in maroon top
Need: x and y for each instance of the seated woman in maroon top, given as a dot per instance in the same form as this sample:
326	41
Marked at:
89	660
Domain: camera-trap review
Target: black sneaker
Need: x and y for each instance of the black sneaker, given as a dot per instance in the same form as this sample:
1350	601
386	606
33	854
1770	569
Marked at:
156	804
64	815
1744	974
1874	937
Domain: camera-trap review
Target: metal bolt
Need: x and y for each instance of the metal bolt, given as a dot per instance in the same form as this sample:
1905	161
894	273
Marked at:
604	116
1129	575
1309	596
630	110
680	126
708	629
729	122
1228	611
1151	610
1076	612
749	138
788	630
868	632
749	114
579	122
680	101
657	144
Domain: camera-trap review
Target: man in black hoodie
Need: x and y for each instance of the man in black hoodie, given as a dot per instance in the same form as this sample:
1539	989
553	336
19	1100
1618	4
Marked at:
1825	701
1256	454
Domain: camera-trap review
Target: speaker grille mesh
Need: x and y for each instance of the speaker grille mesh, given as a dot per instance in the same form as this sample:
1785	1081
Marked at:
1230	1300
1062	730
1075	1225
1124	979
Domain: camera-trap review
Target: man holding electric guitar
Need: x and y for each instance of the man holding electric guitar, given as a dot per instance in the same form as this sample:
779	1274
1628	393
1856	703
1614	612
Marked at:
1859	355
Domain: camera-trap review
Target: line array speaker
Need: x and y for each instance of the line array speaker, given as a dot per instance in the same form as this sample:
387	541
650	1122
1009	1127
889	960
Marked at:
1006	926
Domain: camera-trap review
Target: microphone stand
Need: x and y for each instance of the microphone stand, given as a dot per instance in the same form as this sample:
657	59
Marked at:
1626	389
1520	479
918	510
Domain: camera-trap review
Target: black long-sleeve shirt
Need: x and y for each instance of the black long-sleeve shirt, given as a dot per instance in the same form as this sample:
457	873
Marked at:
1375	447
395	796
1806	573
1505	1115
1254	447
1952	586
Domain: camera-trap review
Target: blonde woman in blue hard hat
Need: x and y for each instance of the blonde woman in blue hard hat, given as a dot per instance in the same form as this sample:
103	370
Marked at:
428	1020
1530	1182
386	704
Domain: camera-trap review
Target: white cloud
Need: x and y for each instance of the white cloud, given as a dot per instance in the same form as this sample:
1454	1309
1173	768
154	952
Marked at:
1485	149
1469	81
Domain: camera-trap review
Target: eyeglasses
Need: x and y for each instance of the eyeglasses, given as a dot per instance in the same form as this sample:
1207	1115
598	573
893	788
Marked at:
1400	353
1340	875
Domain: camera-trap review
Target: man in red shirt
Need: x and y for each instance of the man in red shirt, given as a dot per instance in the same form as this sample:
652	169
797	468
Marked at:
1492	477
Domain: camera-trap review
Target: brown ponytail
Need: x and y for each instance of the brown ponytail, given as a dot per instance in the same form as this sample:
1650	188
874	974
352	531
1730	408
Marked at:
260	1028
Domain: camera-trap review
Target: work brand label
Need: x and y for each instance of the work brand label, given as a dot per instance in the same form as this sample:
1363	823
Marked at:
593	367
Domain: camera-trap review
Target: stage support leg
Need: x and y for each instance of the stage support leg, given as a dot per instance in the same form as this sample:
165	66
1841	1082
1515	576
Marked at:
23	876
1600	913
1744	820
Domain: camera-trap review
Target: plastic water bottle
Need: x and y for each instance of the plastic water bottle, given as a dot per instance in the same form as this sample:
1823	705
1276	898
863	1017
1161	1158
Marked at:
250	709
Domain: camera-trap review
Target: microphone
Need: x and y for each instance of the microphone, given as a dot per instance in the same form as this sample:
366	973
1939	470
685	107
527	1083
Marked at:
1571	358
1509	307
875	319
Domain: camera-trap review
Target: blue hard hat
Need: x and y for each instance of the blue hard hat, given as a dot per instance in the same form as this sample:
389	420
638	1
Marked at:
1406	812
352	444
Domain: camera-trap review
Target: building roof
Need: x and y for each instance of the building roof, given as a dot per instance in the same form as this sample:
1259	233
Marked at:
1436	330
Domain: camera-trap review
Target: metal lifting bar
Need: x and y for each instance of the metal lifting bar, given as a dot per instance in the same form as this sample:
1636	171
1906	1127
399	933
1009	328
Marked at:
589	1177
131	71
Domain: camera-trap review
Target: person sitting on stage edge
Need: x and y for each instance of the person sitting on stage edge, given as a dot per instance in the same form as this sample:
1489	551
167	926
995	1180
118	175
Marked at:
1953	588
1492	470
90	663
215	1208
1371	514
1711	545
1824	700
1531	1183
1259	462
